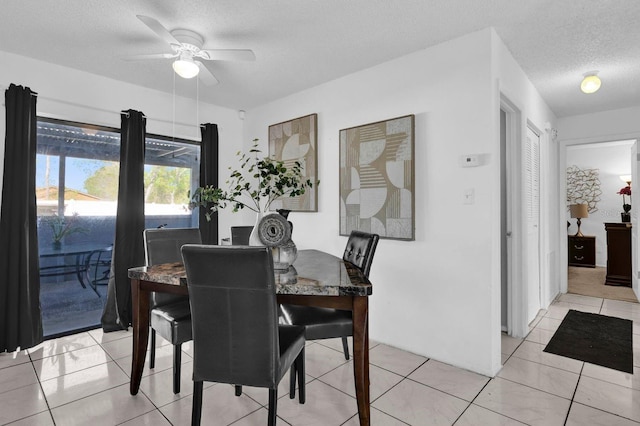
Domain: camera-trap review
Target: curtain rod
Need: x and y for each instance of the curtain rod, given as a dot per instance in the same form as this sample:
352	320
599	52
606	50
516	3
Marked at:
127	114
109	111
158	120
19	85
5	88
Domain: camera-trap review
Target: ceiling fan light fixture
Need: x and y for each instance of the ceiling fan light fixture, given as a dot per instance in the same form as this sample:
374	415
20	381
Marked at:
185	67
590	83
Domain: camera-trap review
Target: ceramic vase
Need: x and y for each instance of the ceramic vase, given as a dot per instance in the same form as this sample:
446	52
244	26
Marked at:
254	237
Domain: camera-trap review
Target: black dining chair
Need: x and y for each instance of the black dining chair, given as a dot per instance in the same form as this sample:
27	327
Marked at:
328	323
236	336
170	314
240	235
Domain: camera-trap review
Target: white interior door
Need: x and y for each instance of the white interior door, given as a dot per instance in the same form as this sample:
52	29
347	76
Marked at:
635	253
532	209
504	225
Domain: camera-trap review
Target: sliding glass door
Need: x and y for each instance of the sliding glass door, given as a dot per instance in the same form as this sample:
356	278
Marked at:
76	190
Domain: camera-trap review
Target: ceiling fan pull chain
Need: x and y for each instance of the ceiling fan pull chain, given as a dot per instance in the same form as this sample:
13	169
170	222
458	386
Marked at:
197	107
173	106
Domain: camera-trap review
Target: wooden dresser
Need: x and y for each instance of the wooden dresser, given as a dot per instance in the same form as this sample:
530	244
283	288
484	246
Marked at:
618	254
582	251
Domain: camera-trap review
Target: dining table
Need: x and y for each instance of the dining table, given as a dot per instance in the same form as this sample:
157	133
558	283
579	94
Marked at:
316	278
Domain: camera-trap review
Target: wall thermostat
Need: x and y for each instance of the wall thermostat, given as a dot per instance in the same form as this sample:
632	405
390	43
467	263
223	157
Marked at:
471	160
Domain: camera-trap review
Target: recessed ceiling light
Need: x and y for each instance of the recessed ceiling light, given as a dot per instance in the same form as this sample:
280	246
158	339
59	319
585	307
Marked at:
591	82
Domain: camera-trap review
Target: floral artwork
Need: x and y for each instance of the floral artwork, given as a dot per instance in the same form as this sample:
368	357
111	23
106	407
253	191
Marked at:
583	187
377	178
296	141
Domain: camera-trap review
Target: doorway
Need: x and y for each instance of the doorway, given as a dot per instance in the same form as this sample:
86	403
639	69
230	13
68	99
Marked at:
513	297
608	161
504	228
520	220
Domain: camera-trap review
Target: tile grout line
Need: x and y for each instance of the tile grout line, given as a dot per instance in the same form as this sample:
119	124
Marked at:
478	405
536	389
44	395
566	419
112	359
403	379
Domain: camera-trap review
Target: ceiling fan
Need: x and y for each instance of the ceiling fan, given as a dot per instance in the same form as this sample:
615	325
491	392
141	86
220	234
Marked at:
187	48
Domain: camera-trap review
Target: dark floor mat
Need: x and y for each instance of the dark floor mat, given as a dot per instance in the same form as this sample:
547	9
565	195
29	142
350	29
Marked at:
594	338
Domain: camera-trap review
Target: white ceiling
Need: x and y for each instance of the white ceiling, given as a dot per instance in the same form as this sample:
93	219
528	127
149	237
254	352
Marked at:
303	43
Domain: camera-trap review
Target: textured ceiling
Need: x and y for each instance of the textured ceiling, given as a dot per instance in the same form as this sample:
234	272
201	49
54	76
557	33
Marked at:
303	43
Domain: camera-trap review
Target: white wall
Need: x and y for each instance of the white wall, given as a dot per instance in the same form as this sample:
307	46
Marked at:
612	159
431	296
602	126
69	94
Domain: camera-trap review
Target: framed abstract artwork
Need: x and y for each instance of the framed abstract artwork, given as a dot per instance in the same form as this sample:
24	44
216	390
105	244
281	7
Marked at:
377	178
297	140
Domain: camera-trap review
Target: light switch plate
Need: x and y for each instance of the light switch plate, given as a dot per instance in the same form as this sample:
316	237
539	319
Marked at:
469	196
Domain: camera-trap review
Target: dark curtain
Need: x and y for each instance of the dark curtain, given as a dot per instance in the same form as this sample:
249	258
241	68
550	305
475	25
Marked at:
128	248
209	176
20	317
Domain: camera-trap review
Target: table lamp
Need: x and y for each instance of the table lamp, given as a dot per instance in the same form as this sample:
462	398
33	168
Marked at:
579	211
626	179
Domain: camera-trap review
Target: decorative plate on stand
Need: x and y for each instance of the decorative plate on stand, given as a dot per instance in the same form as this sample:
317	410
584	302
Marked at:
275	231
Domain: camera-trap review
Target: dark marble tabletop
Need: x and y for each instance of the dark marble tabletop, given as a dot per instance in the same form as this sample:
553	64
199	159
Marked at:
313	273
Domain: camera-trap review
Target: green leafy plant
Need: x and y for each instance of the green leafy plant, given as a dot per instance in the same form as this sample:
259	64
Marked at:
254	185
62	226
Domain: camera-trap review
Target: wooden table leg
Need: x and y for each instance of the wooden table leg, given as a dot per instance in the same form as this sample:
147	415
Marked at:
140	305
361	357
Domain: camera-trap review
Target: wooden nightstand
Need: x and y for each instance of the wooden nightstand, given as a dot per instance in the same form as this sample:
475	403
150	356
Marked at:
582	251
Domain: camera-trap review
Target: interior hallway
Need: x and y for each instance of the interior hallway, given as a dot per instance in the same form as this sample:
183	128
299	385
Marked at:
590	282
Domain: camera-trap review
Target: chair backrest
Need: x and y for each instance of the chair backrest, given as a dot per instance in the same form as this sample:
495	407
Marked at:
360	249
162	245
240	235
233	314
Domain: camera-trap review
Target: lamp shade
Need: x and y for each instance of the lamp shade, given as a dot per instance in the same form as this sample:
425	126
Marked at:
579	211
626	179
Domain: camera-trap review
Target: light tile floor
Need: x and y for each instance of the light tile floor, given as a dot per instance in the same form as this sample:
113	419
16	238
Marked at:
83	380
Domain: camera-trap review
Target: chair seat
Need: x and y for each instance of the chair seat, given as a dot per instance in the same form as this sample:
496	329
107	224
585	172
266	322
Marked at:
172	321
291	343
319	323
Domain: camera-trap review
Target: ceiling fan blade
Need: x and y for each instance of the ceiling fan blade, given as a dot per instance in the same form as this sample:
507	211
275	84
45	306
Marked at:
206	75
157	28
149	56
228	55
